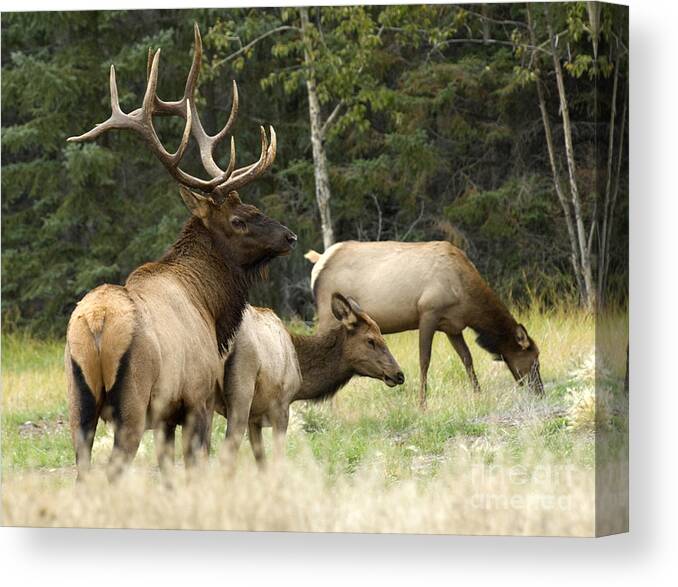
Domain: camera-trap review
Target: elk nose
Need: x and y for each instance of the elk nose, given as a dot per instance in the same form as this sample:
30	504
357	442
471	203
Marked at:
291	239
400	377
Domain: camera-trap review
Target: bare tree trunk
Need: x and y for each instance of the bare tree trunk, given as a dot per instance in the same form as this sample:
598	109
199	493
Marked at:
604	241
485	23
613	203
561	194
585	253
322	179
565	205
593	8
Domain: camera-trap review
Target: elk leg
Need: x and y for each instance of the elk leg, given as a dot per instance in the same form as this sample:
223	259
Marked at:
205	431
238	403
163	438
257	444
427	328
84	420
83	442
126	440
84	417
459	344
279	422
188	442
127	403
235	432
195	436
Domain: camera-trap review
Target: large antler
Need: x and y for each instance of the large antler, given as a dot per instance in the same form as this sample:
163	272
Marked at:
141	122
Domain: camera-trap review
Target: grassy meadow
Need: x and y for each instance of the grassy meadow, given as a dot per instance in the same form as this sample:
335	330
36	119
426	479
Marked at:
499	462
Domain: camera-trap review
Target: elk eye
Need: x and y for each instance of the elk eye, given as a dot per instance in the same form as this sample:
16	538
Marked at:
370	341
238	223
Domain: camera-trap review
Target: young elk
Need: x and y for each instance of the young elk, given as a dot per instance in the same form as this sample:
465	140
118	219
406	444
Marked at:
150	354
270	368
430	286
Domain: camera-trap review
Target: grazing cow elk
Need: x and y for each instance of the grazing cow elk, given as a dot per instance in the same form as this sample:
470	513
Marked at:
430	286
150	354
270	368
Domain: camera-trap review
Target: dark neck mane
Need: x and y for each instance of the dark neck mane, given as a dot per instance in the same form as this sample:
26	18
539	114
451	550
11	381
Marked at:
215	283
490	319
323	369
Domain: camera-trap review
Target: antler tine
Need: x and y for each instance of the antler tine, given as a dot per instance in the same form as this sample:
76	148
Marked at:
149	62
245	175
231	117
171	161
194	72
117	119
207	143
115	102
270	156
179	154
273	148
148	104
178	107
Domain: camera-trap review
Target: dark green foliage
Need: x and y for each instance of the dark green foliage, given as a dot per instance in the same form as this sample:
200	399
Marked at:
437	138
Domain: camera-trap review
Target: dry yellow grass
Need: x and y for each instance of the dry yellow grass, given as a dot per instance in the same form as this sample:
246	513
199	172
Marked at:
470	498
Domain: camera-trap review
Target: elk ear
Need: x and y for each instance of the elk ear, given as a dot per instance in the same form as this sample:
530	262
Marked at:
312	256
197	204
521	337
232	200
355	308
342	310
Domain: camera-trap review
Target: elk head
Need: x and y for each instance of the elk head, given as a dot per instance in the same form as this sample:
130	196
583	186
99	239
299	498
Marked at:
521	355
241	230
365	349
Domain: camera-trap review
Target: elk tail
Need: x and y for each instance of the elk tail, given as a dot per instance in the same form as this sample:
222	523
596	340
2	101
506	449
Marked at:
100	333
312	256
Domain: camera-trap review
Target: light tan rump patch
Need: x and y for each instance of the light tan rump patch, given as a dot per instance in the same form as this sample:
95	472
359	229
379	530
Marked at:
99	332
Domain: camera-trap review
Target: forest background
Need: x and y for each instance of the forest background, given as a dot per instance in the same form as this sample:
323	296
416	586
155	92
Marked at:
501	128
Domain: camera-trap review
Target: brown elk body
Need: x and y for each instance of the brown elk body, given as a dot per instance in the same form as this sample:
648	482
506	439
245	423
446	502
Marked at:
428	286
150	354
271	368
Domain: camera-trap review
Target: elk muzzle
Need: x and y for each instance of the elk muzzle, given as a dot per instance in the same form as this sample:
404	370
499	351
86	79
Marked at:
394	378
534	381
291	239
286	241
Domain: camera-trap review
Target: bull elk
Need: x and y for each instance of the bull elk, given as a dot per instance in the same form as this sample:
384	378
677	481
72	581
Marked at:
271	368
428	286
150	354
